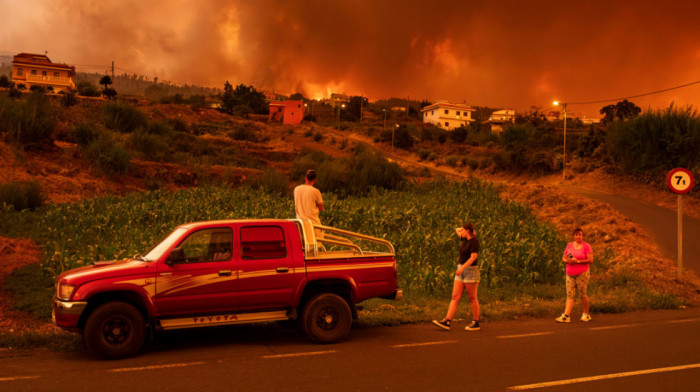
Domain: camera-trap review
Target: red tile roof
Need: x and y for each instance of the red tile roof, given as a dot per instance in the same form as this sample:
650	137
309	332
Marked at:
40	60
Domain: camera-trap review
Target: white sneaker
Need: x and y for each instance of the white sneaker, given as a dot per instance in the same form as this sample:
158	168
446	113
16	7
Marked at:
563	319
585	317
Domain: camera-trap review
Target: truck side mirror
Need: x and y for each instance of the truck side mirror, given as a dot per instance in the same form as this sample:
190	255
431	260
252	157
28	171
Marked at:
175	256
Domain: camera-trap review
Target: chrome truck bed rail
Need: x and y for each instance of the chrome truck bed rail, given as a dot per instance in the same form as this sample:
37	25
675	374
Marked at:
316	236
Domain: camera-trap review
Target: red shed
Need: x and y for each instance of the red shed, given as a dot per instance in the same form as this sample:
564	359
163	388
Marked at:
288	112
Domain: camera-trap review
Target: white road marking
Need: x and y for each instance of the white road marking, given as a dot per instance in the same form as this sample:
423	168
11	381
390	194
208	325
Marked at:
153	367
299	354
614	327
524	335
423	344
685	321
18	378
602	377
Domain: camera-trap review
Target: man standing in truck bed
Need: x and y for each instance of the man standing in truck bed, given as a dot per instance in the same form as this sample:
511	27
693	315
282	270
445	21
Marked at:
307	199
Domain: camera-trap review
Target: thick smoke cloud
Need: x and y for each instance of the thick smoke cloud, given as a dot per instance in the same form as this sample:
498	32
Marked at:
503	54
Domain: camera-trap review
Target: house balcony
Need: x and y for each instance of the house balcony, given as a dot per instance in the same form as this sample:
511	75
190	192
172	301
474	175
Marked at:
53	80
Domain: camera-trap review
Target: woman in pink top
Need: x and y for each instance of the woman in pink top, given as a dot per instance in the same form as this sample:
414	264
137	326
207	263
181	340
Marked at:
577	256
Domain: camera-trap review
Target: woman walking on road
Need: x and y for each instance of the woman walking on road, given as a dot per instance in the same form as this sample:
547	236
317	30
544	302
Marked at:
578	256
466	278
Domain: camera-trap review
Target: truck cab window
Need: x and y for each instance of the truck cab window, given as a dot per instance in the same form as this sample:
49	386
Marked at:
262	242
208	245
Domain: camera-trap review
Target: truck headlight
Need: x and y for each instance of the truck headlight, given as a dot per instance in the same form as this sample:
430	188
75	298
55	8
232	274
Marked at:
64	291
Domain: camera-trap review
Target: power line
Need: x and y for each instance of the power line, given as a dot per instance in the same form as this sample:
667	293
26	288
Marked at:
635	96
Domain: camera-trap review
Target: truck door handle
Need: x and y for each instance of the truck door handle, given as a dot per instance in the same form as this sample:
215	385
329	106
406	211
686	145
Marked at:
166	274
282	270
225	273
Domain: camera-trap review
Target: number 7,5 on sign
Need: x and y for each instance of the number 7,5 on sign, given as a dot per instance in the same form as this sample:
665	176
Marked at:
680	180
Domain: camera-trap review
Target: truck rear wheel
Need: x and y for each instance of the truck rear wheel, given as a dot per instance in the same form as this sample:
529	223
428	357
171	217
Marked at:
326	318
114	330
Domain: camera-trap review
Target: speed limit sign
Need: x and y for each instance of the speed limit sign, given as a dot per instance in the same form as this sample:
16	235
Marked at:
680	180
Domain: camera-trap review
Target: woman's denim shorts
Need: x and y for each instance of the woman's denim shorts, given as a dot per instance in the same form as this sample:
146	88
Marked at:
470	274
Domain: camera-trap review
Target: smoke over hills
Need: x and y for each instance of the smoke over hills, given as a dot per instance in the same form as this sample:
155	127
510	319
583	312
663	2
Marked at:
503	54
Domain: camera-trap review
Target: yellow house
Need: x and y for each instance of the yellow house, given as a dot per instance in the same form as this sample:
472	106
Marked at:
448	115
38	70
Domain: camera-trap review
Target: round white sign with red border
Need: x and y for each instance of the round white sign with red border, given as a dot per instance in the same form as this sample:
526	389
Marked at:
680	180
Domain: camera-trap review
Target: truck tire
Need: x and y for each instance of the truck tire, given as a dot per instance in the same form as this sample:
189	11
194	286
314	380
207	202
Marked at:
326	318
114	330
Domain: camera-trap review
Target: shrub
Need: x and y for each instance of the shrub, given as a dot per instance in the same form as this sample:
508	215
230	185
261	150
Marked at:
154	146
459	135
423	153
273	181
178	125
358	174
656	140
318	136
37	89
402	137
87	89
307	159
108	156
243	131
69	99
123	117
160	128
30	123
5	81
452	160
21	195
84	133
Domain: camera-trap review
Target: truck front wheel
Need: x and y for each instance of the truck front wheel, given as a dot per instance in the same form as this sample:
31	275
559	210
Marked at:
326	318
114	330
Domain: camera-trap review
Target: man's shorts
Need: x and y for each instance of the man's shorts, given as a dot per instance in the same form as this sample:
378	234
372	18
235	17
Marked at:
469	275
577	283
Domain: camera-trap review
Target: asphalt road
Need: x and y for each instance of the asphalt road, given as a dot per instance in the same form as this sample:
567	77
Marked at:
640	351
661	223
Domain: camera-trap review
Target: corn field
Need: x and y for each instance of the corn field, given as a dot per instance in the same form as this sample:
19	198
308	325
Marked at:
419	220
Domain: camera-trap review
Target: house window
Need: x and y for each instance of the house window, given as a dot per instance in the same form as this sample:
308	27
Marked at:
425	114
55	74
43	73
447	124
279	109
19	71
432	112
458	112
447	111
34	72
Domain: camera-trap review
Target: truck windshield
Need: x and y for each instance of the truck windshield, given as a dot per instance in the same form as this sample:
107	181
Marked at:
157	251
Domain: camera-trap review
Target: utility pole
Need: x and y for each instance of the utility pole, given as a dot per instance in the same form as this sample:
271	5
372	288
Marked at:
112	71
362	104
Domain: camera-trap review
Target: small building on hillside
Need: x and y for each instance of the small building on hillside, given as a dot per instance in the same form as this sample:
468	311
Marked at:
38	70
499	118
286	112
448	115
339	99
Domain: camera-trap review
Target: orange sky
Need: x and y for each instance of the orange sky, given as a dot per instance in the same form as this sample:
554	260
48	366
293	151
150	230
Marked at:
511	54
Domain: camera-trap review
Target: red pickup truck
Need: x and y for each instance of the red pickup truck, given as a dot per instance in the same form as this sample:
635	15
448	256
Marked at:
227	272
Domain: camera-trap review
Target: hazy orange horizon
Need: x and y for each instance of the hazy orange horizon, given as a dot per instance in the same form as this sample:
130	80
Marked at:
509	54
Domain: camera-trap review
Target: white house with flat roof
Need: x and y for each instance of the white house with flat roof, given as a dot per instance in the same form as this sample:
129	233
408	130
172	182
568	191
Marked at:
448	115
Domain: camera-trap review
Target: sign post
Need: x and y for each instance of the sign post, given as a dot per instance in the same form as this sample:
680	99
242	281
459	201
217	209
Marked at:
680	181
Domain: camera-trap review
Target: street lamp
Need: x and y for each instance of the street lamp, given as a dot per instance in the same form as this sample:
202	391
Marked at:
339	106
384	110
563	169
392	137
